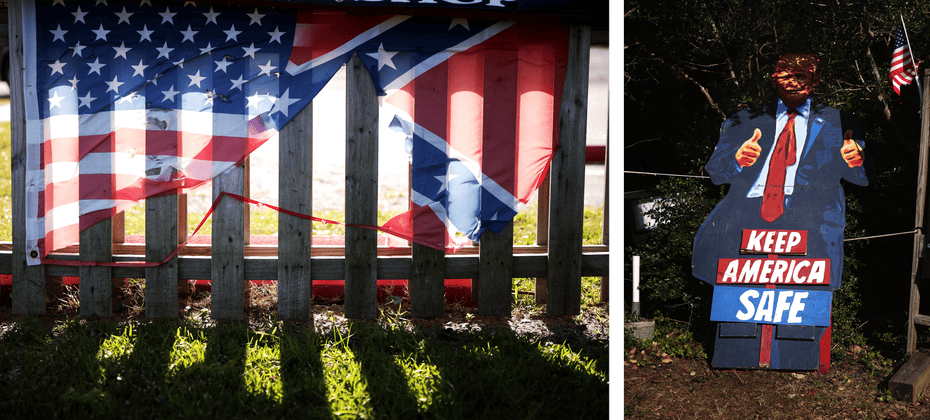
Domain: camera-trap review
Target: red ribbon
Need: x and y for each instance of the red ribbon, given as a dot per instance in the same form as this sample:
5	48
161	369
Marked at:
202	222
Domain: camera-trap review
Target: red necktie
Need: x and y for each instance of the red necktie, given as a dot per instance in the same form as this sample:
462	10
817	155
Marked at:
773	198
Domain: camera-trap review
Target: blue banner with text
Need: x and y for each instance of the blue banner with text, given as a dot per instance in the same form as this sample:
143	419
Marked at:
771	306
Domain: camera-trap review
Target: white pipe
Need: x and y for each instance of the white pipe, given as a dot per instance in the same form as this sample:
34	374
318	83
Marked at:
636	285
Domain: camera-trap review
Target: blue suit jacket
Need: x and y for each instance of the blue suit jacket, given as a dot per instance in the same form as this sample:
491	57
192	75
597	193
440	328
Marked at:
816	205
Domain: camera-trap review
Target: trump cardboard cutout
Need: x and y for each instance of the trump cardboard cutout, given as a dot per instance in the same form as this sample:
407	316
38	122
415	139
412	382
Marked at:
773	247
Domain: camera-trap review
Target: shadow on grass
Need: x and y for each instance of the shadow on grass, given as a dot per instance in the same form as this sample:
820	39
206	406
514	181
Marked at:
302	375
174	369
387	384
495	374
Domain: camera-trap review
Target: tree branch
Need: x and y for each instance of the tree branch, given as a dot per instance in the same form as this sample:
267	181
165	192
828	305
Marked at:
878	79
710	100
713	26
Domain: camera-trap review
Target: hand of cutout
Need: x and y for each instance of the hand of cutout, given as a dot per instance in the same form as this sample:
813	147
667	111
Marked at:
851	152
750	150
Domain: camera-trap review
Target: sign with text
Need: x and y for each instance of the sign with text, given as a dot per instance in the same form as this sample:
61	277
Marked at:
782	242
771	306
806	271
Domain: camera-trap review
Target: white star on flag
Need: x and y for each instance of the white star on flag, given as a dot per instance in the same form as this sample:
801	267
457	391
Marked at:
256	18
139	69
114	85
196	79
78	50
59	34
384	58
222	64
121	50
283	103
237	84
232	33
167	16
58	67
79	15
123	16
55	101
444	181
275	35
86	100
95	66
145	33
164	51
211	16
267	68
250	51
101	33
169	94
188	34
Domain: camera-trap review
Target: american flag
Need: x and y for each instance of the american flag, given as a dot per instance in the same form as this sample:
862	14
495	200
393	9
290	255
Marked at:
903	70
131	100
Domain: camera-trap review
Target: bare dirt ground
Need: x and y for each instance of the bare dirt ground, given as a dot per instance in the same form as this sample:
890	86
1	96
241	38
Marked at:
590	330
658	386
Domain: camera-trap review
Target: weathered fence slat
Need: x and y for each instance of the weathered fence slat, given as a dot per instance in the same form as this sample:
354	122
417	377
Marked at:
495	272
227	274
567	189
427	282
295	164
246	192
605	237
161	238
95	290
542	234
361	192
29	281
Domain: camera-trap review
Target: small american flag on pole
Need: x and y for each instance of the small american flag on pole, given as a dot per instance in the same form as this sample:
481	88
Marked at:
903	70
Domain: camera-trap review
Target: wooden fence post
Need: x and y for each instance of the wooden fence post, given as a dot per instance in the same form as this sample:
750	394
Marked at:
427	282
361	245
495	272
295	180
567	190
542	234
28	281
161	238
227	269
95	290
605	231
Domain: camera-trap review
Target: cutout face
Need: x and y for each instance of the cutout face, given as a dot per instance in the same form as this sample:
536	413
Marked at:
795	78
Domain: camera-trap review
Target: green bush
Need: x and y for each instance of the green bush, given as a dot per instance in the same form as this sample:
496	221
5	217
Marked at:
666	284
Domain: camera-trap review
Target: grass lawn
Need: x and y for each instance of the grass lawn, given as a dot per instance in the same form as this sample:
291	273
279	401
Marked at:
181	369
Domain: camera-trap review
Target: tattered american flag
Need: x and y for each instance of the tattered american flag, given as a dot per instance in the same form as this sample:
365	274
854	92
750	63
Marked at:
126	100
903	70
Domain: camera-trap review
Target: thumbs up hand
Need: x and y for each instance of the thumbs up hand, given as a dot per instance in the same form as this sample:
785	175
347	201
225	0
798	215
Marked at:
750	150
851	152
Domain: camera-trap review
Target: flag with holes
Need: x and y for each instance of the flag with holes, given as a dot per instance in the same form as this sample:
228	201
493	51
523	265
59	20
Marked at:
130	100
127	101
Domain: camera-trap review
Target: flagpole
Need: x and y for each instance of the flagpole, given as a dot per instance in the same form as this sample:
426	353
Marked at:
913	60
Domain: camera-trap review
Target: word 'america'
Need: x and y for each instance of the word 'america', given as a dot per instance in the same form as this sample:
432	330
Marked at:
774	270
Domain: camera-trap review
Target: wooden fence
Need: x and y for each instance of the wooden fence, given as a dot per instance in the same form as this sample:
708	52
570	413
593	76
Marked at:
558	261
